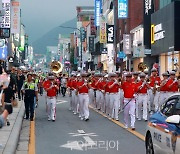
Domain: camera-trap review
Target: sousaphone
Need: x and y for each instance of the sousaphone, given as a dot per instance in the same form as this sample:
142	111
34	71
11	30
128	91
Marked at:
56	67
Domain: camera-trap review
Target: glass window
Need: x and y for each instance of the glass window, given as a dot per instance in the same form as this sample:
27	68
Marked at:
168	107
177	108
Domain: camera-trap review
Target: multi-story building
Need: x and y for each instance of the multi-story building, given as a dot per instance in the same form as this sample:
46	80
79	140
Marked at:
84	16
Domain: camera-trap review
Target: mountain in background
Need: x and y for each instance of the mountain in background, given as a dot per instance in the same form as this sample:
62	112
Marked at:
51	37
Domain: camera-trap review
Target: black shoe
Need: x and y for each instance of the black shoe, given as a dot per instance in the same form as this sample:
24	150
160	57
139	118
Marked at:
8	123
53	120
31	119
86	119
133	128
26	118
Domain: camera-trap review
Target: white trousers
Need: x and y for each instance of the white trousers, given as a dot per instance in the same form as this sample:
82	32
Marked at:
91	97
75	101
99	99
162	97
121	98
129	109
83	105
142	102
51	105
107	103
114	105
156	100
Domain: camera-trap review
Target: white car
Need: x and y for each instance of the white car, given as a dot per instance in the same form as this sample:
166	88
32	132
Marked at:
163	129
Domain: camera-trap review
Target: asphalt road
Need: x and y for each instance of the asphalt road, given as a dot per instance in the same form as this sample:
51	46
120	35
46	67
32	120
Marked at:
68	134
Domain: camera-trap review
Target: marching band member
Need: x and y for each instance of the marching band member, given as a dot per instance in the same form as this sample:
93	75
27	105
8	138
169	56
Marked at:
172	84
163	88
51	88
142	99
83	89
154	82
74	94
135	78
107	98
103	104
91	90
129	102
69	85
113	96
99	94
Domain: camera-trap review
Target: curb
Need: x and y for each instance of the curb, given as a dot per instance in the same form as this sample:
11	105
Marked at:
12	142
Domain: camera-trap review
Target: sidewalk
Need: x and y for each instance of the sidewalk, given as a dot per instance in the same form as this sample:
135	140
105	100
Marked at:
9	135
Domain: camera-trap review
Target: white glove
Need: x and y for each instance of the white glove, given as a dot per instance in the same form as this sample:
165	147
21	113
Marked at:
175	81
135	95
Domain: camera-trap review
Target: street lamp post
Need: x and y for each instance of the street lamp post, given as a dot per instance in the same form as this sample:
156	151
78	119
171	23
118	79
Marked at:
80	40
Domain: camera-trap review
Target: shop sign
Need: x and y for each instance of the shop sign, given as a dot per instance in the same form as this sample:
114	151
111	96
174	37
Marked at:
122	8
138	51
110	33
91	43
15	17
97	12
147	6
6	18
127	43
103	37
104	51
157	33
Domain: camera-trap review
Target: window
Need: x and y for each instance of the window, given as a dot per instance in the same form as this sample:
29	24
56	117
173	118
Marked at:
177	108
168	107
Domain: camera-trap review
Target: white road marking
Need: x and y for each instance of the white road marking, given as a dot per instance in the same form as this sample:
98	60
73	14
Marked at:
74	145
80	145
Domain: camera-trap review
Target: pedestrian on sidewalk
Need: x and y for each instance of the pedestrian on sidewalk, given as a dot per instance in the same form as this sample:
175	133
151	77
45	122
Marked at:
6	98
63	85
30	90
20	82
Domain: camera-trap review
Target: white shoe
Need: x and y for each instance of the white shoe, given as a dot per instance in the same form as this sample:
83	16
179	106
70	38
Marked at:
82	118
79	116
49	119
125	126
74	113
139	119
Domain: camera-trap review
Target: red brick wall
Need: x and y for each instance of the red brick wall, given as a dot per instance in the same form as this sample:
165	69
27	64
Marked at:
135	18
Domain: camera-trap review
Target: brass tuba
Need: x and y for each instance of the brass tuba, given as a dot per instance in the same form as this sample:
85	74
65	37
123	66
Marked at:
142	66
56	67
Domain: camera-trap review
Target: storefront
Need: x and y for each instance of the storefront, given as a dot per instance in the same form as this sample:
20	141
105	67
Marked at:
165	36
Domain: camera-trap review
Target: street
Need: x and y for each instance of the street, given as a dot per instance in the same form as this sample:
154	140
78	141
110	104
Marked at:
68	134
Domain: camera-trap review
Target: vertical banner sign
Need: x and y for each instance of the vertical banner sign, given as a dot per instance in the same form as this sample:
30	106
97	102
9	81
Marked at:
91	44
110	33
148	10
122	8
97	12
15	17
127	44
6	19
92	26
103	30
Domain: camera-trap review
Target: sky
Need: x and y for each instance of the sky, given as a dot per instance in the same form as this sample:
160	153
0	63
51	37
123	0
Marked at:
40	16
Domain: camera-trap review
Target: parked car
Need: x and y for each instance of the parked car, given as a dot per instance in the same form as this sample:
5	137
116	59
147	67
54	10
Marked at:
163	129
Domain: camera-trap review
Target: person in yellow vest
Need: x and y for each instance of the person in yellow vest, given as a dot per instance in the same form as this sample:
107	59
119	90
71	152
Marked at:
30	90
